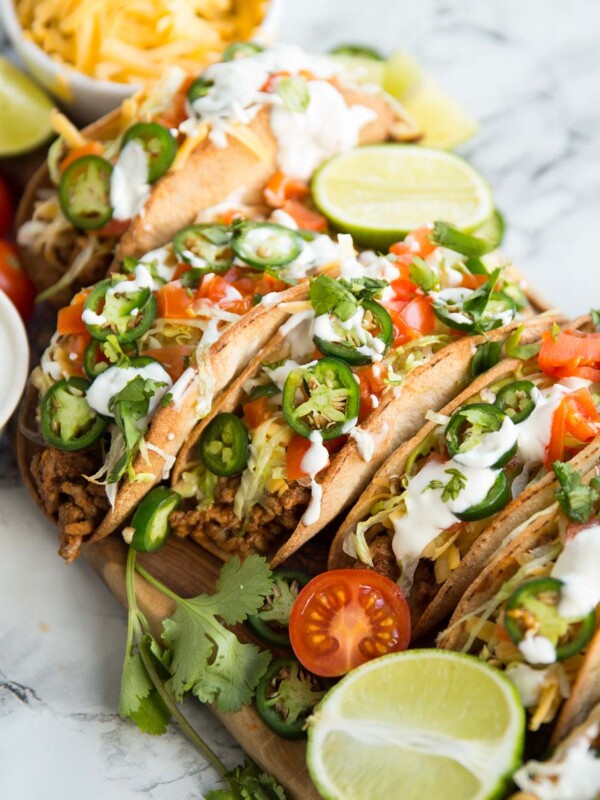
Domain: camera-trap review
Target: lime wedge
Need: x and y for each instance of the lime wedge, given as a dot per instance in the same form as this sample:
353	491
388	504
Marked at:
443	122
421	724
24	111
381	192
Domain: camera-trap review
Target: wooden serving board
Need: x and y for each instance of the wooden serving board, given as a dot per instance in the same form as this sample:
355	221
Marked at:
188	570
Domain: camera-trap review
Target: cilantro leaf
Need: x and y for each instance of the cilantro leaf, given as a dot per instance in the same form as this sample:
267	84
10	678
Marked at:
251	783
294	93
328	296
207	657
421	273
466	244
476	303
365	288
575	498
486	356
114	352
522	351
452	488
139	699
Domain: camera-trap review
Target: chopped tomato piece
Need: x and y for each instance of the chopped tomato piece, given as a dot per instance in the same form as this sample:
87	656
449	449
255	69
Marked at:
176	112
371	385
257	411
415	319
470	281
282	187
115	228
297	449
88	149
173	357
404	289
577	417
268	284
75	350
227	217
304	217
69	318
570	354
420	243
346	617
174	301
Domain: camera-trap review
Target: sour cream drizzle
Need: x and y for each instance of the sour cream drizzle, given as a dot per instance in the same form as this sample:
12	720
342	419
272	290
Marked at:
129	188
114	379
314	460
578	568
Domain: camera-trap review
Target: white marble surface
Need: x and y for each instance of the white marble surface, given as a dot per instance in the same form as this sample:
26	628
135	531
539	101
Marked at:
529	70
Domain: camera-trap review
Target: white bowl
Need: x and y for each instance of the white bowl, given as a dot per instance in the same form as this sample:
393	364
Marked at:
14	359
86	98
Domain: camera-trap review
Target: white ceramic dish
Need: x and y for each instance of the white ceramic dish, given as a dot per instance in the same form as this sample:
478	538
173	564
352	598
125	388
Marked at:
85	98
14	359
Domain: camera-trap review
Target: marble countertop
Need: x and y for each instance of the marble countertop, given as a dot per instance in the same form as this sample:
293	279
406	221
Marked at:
531	74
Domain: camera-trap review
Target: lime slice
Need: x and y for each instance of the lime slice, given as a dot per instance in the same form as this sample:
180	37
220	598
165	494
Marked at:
443	122
24	111
422	724
381	192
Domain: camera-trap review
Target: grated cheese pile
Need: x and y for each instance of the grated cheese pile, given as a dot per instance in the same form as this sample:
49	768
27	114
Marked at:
132	41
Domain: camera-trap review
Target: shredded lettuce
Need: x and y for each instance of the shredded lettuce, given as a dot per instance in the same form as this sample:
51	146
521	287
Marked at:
198	483
267	455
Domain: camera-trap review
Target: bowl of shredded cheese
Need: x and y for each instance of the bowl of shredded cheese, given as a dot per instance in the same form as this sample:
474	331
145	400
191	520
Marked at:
92	54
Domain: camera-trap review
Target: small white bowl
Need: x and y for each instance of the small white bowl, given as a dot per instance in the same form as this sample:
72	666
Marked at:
87	98
14	359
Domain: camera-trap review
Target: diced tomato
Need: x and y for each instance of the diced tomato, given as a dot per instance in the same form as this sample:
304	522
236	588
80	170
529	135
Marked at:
271	83
224	293
298	447
282	187
296	450
173	357
227	217
268	284
115	228
257	411
577	417
415	319
420	243
404	289
180	270
76	348
371	384
69	318
570	354
174	301
88	149
304	217
470	281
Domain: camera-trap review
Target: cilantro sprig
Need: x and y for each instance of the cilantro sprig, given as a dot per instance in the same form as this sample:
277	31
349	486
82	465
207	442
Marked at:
576	499
452	488
147	694
342	297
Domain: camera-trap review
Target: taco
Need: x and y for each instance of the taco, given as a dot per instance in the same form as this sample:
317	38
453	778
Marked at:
573	770
349	378
139	356
532	610
446	501
135	177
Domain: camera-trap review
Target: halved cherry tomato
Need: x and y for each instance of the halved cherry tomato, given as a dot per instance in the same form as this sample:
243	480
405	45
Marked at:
346	617
14	282
257	411
282	187
88	149
174	301
304	217
6	209
570	354
173	357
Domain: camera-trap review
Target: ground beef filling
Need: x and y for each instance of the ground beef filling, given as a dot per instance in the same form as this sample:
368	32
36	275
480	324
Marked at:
77	504
268	525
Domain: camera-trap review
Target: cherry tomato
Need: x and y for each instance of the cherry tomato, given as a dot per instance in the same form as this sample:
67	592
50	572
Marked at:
346	617
6	209
14	282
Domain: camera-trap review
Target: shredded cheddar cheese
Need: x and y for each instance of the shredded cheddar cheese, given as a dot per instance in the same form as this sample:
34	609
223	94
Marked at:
133	41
